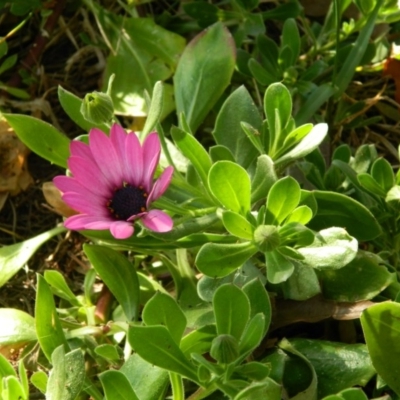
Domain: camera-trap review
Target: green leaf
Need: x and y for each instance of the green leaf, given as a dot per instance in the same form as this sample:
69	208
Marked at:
254	370
393	194
39	380
278	110
230	184
381	326
116	386
118	274
203	75
229	303
370	184
16	326
302	215
207	286
306	146
238	107
338	365
155	110
267	389
8	63
67	377
259	301
283	198
41	137
237	225
332	248
48	326
297	135
302	284
218	260
314	102
382	172
198	340
15	256
279	268
108	351
296	375
295	234
155	345
252	335
336	209
12	389
146	48
148	381
261	74
194	151
23	377
72	105
6	369
291	38
371	277
60	287
162	309
263	179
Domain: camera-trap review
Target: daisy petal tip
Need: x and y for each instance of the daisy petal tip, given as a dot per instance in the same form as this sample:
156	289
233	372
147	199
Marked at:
158	221
121	230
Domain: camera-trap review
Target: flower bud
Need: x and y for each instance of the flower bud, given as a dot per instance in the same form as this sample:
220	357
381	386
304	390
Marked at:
266	237
224	349
97	108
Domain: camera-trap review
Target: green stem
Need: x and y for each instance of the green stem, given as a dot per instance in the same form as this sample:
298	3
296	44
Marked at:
178	392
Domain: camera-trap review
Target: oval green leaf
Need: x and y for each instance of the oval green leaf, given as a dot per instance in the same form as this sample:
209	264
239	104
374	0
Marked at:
15	256
237	225
48	326
118	274
41	137
155	345
238	107
16	326
336	209
371	278
231	309
203	75
381	326
218	260
162	309
116	386
332	248
230	184
283	198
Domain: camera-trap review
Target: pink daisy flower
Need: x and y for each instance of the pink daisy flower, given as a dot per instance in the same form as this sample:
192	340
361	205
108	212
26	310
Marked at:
112	183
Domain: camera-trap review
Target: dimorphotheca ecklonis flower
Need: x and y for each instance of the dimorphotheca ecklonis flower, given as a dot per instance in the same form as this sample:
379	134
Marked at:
112	183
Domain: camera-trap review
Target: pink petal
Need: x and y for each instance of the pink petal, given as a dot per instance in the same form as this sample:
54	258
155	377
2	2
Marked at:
88	174
80	149
133	159
81	221
118	137
106	156
158	221
121	229
161	185
151	155
68	184
86	205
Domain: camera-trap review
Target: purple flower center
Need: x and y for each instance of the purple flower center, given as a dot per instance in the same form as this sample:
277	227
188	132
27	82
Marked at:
127	201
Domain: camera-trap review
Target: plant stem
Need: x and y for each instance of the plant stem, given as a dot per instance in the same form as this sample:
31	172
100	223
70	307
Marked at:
178	392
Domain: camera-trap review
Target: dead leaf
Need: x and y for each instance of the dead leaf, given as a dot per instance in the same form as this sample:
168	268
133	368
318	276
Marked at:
14	175
316	309
53	197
